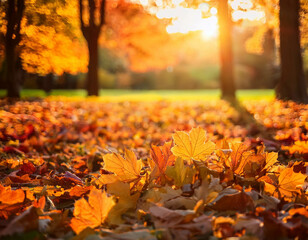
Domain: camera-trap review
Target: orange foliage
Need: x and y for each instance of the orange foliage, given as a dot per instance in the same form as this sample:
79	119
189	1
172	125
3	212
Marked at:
139	36
54	46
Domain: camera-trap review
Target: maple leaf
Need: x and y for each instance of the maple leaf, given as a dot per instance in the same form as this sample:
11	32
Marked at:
125	202
127	169
270	159
158	196
8	196
91	213
239	157
289	181
192	145
162	156
180	173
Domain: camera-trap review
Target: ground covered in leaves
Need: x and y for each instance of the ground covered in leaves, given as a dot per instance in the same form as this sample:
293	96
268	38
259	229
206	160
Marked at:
90	169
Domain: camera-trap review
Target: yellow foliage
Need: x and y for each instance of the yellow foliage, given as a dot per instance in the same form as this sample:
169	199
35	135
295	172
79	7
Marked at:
126	169
193	145
54	47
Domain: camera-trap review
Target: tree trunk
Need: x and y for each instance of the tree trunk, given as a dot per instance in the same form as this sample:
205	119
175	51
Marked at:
13	88
92	78
292	84
226	54
91	33
14	13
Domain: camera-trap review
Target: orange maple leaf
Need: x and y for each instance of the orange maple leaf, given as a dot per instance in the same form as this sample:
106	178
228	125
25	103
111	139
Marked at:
162	156
8	196
287	183
91	213
127	169
192	145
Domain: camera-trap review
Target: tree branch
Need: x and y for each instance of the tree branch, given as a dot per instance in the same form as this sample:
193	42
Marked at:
91	13
102	13
83	27
10	17
20	10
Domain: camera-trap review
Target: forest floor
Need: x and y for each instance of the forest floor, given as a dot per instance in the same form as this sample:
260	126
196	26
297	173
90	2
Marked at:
153	165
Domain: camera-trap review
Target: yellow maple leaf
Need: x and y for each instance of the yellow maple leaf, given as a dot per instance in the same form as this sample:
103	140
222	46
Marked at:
192	145
126	202
180	173
271	159
127	169
289	181
91	213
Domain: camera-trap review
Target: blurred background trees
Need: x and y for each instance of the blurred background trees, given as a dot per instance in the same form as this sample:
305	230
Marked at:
151	44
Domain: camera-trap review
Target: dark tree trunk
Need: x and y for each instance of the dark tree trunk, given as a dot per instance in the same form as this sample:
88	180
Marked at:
14	13
226	52
91	33
292	85
13	86
92	79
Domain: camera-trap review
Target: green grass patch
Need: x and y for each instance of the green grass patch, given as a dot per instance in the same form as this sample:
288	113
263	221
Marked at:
143	95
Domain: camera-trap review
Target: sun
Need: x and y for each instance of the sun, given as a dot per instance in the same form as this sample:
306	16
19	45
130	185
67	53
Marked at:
203	18
185	20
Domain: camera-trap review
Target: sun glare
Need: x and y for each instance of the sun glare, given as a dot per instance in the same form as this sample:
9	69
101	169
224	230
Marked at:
204	18
185	20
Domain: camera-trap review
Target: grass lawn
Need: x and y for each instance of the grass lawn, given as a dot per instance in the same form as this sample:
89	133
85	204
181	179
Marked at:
146	95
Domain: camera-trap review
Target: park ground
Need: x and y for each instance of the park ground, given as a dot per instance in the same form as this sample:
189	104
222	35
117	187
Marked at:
152	165
262	94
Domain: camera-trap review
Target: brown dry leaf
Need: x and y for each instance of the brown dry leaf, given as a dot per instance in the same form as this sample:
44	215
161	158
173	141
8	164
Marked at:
223	227
208	190
252	226
198	226
240	201
140	234
7	210
91	213
192	145
165	217
158	196
26	221
8	196
78	191
127	169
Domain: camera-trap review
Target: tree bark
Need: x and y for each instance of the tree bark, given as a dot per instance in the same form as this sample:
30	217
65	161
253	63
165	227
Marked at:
292	84
91	33
92	81
226	52
14	15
